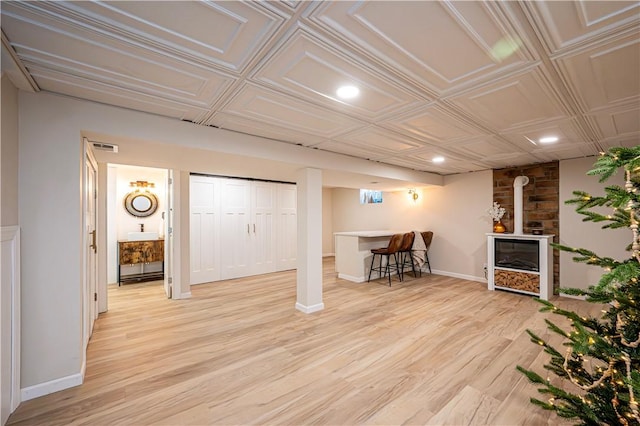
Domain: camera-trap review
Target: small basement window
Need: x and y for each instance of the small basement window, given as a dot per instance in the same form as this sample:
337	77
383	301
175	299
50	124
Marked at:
369	196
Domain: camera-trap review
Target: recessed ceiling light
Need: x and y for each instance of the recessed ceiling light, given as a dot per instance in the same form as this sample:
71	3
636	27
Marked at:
438	159
548	139
347	92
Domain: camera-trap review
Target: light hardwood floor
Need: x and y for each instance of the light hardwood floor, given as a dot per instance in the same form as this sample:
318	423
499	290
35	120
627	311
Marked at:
430	350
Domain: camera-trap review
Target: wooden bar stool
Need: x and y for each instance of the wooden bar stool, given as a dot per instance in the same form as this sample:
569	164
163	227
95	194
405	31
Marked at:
404	253
427	237
391	250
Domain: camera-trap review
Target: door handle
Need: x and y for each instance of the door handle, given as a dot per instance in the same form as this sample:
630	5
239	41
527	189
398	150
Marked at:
248	231
254	228
93	241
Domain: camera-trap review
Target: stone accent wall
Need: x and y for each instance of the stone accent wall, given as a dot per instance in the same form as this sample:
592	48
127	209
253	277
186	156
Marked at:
540	202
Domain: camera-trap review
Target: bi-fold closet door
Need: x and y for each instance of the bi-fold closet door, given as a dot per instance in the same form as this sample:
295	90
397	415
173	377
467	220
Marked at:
204	221
244	232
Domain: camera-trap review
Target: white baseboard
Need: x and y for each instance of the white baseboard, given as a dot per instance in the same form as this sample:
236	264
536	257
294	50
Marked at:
309	309
52	386
351	278
573	296
186	295
461	276
375	276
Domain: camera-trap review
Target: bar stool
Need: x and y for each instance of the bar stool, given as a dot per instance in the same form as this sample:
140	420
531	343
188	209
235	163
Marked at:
385	270
405	251
427	237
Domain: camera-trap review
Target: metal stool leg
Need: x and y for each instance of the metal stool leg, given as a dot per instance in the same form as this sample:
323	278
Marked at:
373	259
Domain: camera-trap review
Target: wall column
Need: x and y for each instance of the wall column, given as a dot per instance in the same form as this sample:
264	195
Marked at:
309	278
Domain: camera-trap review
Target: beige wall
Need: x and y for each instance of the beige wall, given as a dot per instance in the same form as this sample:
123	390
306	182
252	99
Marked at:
50	205
457	215
455	212
589	235
396	212
328	248
9	154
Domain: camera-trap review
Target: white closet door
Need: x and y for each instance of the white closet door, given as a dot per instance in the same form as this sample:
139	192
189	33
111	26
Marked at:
235	249
287	226
263	226
205	229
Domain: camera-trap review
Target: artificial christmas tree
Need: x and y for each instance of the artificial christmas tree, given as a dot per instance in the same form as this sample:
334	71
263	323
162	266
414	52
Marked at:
600	364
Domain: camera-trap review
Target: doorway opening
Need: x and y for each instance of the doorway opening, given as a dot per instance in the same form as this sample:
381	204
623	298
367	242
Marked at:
137	209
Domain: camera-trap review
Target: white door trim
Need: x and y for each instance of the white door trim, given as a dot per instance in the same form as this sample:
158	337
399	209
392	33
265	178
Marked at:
88	298
11	235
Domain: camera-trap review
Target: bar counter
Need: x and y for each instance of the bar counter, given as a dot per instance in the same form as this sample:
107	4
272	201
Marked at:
353	252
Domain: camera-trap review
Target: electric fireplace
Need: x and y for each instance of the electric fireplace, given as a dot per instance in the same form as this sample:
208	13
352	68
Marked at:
520	263
517	254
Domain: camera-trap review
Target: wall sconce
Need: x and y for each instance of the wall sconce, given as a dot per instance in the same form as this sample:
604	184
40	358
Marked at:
142	184
414	195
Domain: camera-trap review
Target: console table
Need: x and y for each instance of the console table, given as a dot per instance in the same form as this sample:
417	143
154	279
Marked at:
140	253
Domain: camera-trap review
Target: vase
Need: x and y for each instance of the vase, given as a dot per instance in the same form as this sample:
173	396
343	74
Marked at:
498	227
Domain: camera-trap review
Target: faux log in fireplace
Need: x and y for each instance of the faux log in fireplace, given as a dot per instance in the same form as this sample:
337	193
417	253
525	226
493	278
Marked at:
520	263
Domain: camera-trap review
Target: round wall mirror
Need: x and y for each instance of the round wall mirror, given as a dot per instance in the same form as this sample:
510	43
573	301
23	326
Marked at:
141	204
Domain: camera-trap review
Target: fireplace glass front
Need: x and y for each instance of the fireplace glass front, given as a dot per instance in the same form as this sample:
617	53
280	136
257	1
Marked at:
517	254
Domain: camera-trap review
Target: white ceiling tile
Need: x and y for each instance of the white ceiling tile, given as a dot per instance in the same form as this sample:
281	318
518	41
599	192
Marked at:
574	22
512	102
439	44
270	107
379	140
113	95
558	152
528	138
424	162
618	122
486	148
350	149
475	82
433	123
227	34
306	67
627	142
270	130
99	59
605	75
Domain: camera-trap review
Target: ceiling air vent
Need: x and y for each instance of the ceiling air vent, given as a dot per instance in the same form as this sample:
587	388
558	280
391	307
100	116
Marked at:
105	147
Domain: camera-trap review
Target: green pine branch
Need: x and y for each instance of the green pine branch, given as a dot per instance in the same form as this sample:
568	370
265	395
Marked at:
596	350
617	158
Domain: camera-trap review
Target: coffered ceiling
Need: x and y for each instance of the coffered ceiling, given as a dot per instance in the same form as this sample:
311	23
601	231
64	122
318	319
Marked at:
478	83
